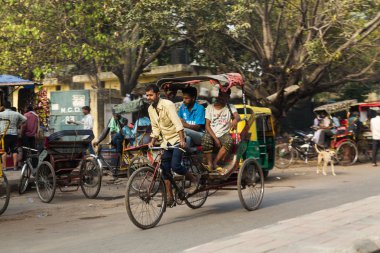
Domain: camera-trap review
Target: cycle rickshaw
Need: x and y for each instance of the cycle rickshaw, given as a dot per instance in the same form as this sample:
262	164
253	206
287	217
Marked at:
146	198
134	155
5	191
63	164
343	142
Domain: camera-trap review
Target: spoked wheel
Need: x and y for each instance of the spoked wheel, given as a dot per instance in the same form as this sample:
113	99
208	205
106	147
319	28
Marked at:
347	153
250	184
24	179
137	163
197	200
285	155
45	182
145	198
90	178
5	193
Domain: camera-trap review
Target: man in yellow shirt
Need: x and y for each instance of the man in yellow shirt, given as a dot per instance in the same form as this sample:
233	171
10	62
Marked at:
166	123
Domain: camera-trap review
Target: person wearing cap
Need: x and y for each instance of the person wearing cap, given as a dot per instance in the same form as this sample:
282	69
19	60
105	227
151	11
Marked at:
375	129
115	128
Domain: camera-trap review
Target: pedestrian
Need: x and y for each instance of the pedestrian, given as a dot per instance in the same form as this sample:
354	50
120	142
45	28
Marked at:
10	138
30	128
87	122
375	129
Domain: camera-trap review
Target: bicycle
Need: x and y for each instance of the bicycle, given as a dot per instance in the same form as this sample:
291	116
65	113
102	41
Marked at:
147	186
28	170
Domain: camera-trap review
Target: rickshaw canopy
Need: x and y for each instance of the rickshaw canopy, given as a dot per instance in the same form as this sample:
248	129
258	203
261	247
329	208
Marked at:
132	106
223	81
371	105
336	107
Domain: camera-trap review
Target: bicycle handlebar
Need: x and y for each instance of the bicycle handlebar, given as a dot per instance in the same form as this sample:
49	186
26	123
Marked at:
166	148
30	149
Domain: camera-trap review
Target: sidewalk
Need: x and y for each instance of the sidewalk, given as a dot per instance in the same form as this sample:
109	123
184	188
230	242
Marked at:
352	227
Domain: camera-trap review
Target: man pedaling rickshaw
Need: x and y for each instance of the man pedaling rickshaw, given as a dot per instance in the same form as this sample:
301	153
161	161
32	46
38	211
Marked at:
218	125
166	124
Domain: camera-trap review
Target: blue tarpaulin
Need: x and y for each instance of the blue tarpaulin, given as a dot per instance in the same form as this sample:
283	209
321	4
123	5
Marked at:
8	80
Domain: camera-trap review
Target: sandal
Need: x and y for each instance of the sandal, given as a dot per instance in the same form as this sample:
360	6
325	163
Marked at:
221	170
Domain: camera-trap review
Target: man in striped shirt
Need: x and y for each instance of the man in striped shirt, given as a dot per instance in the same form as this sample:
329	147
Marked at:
10	138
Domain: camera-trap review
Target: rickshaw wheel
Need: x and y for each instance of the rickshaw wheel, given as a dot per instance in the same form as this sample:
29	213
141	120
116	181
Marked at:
145	198
25	178
347	153
285	156
197	200
5	194
250	184
45	182
90	178
136	163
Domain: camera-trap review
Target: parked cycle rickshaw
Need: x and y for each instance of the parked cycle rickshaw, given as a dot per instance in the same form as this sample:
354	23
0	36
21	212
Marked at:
5	191
301	146
63	164
146	198
135	150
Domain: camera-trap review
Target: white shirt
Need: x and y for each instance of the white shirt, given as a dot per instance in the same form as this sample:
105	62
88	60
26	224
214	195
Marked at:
375	128
87	122
220	119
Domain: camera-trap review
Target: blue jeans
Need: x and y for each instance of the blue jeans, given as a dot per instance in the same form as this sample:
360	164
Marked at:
171	160
117	142
193	138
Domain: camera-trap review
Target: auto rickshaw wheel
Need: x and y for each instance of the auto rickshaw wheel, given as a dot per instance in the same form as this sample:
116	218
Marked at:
250	184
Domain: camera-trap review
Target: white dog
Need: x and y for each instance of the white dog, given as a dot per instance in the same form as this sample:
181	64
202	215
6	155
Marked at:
324	158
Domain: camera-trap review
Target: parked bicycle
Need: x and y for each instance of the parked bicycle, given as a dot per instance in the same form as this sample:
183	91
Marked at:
28	171
5	191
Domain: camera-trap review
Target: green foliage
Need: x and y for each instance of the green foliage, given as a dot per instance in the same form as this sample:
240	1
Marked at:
356	91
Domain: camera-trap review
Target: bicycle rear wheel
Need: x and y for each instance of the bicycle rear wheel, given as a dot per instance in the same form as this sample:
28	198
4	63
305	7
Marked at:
24	179
250	184
197	200
5	194
145	198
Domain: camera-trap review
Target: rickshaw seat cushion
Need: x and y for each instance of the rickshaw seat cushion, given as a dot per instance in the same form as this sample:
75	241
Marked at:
195	149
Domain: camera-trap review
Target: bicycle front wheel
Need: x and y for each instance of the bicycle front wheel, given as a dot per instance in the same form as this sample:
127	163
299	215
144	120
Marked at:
136	163
24	179
145	198
45	182
5	194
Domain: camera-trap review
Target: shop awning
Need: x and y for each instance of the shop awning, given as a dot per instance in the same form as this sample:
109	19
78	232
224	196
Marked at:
8	80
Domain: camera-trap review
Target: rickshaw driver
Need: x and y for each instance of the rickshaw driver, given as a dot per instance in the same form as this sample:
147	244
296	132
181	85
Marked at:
192	116
166	123
218	125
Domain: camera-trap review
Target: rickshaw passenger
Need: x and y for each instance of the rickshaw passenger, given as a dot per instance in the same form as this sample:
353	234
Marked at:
114	126
323	131
166	123
218	125
192	116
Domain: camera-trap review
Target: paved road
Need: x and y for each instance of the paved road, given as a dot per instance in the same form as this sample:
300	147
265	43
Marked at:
72	223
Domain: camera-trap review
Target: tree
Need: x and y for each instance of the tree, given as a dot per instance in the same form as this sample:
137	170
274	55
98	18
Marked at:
318	45
38	36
